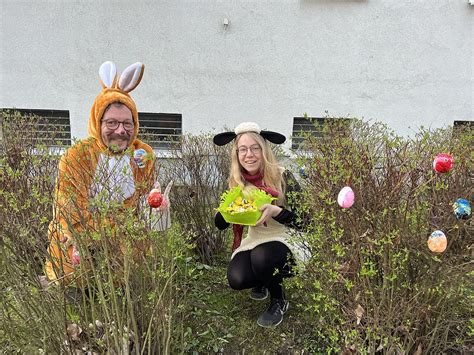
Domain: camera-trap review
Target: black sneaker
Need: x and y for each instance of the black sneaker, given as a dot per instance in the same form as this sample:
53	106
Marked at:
274	314
259	293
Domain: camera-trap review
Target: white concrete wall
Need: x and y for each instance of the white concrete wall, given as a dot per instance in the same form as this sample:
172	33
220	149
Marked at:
405	62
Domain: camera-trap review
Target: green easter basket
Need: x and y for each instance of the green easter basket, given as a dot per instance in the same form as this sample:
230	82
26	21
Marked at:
247	218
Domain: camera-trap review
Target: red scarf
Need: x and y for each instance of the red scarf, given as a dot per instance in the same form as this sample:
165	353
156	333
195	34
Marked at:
257	181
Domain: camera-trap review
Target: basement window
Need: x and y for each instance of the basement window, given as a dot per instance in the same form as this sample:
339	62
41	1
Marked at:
36	126
305	126
160	130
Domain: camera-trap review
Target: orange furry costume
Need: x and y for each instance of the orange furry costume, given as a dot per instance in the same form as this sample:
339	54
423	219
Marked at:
80	166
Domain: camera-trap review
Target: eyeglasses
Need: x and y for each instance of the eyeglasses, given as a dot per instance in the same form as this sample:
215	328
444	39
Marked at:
113	124
255	149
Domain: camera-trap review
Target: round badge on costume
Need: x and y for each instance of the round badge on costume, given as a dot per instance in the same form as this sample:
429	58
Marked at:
443	163
346	197
139	156
462	208
437	242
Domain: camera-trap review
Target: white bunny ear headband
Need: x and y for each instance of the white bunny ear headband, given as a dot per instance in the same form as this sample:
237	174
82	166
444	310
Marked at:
129	79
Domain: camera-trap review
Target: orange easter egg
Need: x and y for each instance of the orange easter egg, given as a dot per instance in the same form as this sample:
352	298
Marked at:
437	242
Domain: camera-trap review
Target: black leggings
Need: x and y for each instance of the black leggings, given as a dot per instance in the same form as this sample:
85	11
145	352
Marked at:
265	265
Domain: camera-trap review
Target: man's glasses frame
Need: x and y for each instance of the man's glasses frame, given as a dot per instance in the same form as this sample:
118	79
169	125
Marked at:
113	125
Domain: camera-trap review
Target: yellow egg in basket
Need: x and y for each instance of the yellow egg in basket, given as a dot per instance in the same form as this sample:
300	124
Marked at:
239	208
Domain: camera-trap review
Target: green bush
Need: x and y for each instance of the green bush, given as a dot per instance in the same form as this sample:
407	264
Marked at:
372	284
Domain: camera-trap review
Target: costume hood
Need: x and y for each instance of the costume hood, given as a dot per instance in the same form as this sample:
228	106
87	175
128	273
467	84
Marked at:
115	89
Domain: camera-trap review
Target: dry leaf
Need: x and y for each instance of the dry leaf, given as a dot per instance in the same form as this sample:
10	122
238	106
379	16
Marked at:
359	312
357	296
44	282
402	328
395	349
343	268
349	350
74	331
419	350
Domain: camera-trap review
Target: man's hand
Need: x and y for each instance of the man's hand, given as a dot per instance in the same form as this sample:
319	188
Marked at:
161	216
165	205
268	211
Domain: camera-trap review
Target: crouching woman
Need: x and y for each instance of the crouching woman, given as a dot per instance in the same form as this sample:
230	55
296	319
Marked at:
263	259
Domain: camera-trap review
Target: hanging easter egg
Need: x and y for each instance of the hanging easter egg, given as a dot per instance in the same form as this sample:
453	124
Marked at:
139	156
346	197
155	198
302	172
75	257
437	242
443	163
462	208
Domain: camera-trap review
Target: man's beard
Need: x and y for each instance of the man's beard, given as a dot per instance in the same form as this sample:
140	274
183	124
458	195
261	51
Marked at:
113	148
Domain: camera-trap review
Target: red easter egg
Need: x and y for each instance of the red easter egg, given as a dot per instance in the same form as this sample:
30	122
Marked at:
443	162
155	198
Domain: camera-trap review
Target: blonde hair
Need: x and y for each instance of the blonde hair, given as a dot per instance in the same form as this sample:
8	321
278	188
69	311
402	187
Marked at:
272	173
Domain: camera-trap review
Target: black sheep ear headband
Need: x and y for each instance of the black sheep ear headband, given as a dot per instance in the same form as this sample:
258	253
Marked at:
244	127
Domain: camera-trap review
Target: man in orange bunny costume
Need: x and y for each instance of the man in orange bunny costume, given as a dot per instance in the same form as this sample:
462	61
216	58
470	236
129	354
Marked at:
107	156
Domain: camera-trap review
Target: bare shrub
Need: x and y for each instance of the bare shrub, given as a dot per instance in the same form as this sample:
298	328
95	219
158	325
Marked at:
200	170
27	173
121	298
372	284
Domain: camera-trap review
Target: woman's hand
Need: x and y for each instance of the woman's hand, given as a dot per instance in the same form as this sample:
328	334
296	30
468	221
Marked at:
268	211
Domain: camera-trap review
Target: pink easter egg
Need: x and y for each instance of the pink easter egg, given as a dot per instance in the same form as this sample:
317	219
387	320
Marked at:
346	197
75	257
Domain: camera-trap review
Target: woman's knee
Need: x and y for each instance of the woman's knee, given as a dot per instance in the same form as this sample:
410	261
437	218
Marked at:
270	257
236	281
